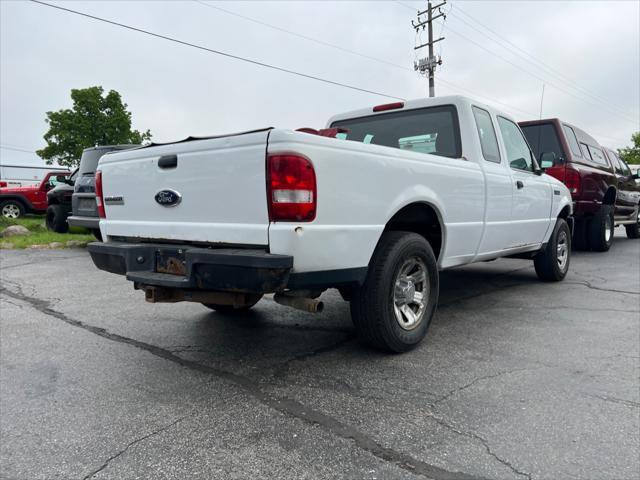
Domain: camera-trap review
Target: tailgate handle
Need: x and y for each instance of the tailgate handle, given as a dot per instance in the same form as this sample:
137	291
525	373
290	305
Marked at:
168	161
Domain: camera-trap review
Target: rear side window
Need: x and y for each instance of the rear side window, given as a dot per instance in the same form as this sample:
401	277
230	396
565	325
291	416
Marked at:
573	141
543	138
598	156
432	130
487	134
585	151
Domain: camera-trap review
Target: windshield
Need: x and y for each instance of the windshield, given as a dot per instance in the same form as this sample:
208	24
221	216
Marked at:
426	130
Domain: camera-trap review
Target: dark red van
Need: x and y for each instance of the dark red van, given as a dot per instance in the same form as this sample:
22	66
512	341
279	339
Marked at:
575	158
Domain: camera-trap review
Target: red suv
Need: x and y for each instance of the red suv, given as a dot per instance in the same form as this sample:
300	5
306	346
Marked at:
576	159
16	201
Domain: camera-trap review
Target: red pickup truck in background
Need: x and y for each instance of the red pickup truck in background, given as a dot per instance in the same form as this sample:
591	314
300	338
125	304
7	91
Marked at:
576	159
16	201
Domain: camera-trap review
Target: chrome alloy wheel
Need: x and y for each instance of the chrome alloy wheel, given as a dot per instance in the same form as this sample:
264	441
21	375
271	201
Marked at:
608	229
10	211
562	250
411	293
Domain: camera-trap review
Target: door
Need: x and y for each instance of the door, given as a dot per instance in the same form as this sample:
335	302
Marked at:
627	195
499	188
532	193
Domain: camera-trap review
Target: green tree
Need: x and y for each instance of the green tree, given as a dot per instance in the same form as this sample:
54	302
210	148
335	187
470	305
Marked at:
631	154
94	119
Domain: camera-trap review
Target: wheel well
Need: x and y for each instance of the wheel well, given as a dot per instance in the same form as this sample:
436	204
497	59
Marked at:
609	196
15	199
419	218
564	213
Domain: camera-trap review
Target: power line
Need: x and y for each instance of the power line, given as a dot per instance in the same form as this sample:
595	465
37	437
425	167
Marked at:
216	52
519	67
546	66
451	84
16	149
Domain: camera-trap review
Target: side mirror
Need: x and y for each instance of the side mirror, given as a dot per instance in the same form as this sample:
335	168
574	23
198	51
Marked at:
547	159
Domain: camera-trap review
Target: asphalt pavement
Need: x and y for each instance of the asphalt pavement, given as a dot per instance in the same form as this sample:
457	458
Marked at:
517	379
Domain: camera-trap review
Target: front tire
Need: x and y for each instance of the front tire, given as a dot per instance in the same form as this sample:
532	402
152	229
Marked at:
12	209
250	301
600	229
56	219
552	263
393	309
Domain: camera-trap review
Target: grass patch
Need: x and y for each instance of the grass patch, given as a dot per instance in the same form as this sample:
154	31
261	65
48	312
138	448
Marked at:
39	233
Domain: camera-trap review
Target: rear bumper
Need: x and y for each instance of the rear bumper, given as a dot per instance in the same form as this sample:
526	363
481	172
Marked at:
86	222
177	266
583	208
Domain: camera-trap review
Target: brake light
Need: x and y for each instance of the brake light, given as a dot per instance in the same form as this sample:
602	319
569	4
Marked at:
388	106
291	188
99	196
572	181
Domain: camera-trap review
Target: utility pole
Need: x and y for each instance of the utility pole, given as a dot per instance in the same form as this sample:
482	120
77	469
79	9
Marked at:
428	64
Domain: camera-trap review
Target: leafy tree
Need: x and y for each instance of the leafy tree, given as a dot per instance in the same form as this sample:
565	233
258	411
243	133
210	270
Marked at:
95	119
631	154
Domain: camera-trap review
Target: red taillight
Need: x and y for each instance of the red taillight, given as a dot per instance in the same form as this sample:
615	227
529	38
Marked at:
3	184
388	106
572	181
291	188
99	196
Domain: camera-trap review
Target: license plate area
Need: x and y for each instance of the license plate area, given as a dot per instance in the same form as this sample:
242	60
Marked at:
171	262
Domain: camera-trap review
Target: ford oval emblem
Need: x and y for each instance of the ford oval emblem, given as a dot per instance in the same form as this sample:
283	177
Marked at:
168	198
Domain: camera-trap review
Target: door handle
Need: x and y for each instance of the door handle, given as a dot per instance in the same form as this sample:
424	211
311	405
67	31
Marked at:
168	161
519	184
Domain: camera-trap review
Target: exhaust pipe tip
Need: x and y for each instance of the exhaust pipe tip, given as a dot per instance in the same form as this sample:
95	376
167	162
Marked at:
309	305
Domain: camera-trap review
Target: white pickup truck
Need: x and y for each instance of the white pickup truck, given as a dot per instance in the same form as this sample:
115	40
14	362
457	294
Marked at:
374	205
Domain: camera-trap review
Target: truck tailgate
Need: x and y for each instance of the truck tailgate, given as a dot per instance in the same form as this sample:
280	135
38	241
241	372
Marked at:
217	191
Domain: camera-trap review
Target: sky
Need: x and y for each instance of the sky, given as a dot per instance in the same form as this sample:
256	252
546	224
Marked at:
585	53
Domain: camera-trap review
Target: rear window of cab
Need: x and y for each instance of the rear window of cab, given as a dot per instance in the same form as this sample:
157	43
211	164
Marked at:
433	130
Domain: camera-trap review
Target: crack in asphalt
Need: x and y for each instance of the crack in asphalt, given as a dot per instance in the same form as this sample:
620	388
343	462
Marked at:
620	401
289	407
479	379
602	289
282	370
484	443
129	445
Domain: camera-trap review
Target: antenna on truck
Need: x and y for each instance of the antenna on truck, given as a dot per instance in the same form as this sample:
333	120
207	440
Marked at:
428	64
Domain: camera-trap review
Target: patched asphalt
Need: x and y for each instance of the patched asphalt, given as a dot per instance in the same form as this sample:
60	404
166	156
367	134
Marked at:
517	379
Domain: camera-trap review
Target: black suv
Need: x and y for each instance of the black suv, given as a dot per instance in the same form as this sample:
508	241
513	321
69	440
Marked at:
83	202
59	203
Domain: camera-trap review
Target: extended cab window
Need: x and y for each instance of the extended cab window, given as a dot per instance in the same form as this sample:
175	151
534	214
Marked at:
518	154
487	134
543	138
432	130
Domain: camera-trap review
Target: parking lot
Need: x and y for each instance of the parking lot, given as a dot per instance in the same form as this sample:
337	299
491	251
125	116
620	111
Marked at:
516	379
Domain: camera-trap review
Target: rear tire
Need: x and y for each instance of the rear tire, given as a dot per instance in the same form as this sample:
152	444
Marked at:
633	231
601	229
579	240
552	263
252	299
12	209
393	309
56	219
